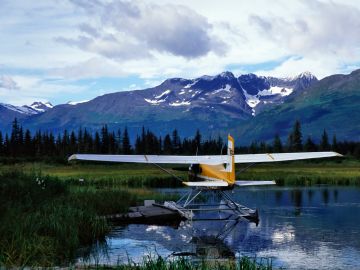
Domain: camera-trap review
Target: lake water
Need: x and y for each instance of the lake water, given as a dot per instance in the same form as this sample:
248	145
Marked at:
299	228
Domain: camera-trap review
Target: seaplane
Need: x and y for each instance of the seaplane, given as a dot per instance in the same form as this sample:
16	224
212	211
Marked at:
214	174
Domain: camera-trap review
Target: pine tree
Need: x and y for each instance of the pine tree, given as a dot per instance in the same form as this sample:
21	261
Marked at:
118	141
58	145
297	137
334	146
126	143
324	143
197	142
143	142
97	143
356	152
310	146
263	147
176	144
6	145
14	138
38	143
168	149
73	143
1	145
80	139
277	144
51	145
87	142
138	145
253	149
112	143
104	140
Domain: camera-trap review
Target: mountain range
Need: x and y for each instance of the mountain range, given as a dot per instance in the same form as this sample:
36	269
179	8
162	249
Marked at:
249	106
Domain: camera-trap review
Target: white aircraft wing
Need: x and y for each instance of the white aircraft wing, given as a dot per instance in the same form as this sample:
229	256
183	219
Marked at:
246	183
219	183
275	157
211	160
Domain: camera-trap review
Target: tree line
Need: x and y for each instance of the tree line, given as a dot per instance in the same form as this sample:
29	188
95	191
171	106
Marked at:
22	143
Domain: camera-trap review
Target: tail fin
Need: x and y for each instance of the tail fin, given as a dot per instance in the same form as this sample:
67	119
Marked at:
230	166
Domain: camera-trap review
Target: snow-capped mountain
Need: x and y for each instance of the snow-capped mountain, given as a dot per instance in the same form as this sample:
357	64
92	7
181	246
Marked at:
208	102
224	89
38	107
34	108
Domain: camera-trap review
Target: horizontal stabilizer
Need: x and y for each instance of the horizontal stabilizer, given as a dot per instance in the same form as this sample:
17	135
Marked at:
245	183
207	184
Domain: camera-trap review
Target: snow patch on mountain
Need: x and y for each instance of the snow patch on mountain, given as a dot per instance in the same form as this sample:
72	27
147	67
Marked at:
180	103
77	102
163	94
226	89
155	101
276	90
190	85
251	100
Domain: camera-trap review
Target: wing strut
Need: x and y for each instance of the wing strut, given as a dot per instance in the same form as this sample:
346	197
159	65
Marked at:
247	167
165	170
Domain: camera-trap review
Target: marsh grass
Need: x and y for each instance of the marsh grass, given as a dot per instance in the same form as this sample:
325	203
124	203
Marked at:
45	220
159	263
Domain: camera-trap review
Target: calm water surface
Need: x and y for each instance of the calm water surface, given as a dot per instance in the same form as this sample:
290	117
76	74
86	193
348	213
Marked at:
300	228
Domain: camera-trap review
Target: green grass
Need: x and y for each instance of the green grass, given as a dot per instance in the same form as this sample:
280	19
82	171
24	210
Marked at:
338	172
306	173
244	263
98	174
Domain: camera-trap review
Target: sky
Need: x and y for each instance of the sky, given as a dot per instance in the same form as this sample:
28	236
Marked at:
74	50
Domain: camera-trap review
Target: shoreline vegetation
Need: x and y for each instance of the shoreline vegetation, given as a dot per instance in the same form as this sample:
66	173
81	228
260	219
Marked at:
159	263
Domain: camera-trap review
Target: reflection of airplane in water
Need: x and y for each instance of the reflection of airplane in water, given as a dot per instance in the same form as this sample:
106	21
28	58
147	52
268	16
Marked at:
210	174
213	245
198	240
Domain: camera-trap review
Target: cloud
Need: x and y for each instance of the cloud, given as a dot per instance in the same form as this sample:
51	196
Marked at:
92	68
34	88
126	30
325	29
8	83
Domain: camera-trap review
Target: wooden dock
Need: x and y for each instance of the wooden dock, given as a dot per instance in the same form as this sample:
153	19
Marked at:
150	214
158	214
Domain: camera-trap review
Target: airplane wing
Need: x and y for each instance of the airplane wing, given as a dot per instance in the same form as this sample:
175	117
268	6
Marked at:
210	160
151	159
275	157
219	183
247	183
